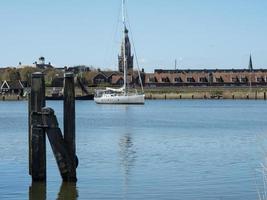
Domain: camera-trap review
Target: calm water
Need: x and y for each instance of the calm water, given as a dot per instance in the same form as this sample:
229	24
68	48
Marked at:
196	150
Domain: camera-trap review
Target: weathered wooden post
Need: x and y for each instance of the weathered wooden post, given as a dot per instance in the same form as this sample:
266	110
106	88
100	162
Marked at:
264	95
66	164
37	145
69	119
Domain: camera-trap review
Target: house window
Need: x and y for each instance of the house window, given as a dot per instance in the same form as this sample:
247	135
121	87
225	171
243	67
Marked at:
219	80
235	80
203	80
260	80
165	80
190	80
244	79
178	80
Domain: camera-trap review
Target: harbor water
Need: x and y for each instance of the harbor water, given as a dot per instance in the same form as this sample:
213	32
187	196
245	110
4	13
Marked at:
165	149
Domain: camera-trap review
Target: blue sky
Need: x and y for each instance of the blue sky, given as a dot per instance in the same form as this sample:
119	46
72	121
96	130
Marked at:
199	34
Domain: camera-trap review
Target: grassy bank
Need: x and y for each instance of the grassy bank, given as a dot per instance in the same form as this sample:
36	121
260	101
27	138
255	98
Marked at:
207	93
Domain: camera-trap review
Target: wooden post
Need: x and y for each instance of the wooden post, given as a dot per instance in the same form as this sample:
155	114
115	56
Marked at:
69	118
37	146
264	95
233	96
256	95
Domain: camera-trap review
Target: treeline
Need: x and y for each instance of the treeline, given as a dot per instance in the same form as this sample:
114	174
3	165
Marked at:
51	75
24	74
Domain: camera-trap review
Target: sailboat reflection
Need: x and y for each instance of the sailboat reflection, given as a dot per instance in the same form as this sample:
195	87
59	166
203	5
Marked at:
127	158
67	191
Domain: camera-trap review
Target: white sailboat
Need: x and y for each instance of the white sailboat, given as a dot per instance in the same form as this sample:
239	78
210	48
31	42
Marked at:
123	94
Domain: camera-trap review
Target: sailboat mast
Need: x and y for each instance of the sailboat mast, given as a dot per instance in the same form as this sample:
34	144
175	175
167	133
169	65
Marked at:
124	49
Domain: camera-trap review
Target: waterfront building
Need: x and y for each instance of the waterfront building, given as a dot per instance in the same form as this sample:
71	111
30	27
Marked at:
41	64
12	87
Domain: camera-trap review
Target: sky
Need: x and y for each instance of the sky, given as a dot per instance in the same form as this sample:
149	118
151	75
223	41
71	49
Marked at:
199	34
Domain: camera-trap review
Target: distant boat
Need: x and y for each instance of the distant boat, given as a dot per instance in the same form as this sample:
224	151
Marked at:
122	95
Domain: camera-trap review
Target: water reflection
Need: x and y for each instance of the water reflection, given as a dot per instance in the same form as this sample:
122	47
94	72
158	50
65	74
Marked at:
37	191
67	191
127	158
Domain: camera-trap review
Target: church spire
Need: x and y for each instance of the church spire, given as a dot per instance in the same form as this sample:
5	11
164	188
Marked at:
250	66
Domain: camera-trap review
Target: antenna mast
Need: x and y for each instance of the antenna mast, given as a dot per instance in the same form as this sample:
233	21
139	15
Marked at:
124	49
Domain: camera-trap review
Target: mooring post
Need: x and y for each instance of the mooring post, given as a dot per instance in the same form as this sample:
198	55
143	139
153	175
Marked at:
264	95
69	119
37	146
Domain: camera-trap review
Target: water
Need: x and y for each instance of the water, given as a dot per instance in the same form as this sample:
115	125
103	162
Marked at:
193	149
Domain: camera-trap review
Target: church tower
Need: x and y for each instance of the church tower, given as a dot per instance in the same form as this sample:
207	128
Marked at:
129	57
250	66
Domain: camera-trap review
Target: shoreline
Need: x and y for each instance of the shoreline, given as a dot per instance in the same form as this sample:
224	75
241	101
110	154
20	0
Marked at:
212	93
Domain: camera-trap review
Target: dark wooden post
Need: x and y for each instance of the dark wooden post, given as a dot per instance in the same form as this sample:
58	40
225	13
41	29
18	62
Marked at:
264	95
37	146
69	118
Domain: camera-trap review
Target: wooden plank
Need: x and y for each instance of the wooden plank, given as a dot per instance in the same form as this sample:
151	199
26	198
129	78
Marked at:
65	164
37	154
69	117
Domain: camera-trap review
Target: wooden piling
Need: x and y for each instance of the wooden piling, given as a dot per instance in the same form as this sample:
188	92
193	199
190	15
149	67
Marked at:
65	162
233	96
37	145
69	118
264	95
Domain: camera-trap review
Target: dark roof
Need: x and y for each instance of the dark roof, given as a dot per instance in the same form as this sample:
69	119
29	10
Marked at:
110	73
172	71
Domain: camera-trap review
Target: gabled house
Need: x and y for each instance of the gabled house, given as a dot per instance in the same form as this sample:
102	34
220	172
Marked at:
12	87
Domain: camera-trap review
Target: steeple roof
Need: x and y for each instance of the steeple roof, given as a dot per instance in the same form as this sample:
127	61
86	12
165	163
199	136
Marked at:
250	66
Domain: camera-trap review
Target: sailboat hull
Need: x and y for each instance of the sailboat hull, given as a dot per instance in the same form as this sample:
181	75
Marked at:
121	99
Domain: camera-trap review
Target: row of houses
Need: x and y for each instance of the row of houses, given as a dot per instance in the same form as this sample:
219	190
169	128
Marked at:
160	77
